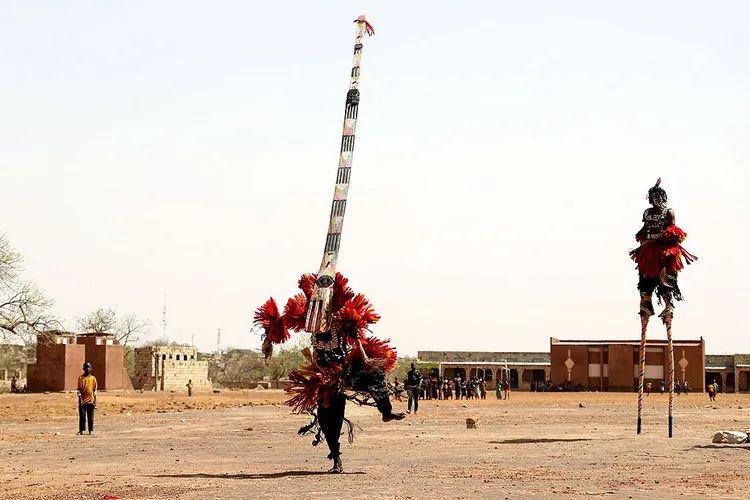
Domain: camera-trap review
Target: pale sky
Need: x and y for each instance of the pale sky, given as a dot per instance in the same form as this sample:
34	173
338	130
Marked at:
504	151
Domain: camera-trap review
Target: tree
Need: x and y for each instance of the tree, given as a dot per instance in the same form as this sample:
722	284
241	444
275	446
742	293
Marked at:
236	368
24	309
126	329
284	361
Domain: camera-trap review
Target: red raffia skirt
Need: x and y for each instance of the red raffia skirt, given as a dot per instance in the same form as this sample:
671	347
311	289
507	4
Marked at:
665	253
312	384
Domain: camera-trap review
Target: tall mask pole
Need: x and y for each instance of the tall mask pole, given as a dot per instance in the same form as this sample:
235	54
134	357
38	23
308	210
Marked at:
319	305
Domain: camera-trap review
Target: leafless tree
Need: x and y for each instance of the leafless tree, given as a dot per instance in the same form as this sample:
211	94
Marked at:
24	309
126	329
130	328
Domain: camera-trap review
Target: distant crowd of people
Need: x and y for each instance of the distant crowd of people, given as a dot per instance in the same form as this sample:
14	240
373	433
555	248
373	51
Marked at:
418	387
680	386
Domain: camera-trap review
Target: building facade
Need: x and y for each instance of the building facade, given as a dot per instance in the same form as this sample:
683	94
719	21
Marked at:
521	369
730	371
58	363
614	365
60	357
595	365
169	368
107	359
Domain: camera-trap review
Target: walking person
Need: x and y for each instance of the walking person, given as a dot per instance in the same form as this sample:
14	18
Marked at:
413	385
87	389
712	388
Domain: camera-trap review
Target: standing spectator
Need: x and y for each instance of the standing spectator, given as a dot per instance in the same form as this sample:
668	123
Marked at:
87	389
483	389
662	386
189	386
457	387
499	389
14	384
413	384
506	389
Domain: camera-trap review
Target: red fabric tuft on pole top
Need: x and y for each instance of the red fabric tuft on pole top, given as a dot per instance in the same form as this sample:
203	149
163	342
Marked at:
368	27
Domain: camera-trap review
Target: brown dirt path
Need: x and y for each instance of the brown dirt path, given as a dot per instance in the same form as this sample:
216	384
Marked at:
532	445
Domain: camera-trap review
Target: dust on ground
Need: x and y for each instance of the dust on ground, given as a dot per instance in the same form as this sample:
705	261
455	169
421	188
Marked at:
242	444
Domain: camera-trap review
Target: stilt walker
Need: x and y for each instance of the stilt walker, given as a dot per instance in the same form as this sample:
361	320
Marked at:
346	362
659	258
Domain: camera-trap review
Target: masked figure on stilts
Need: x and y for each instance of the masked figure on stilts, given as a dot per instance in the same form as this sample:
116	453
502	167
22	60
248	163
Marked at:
659	257
346	363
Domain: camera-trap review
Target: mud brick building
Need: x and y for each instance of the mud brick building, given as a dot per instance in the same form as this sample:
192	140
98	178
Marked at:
60	356
595	365
58	363
614	365
107	359
168	368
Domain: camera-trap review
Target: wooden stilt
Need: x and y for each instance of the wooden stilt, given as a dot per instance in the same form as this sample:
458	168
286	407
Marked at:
642	373
670	349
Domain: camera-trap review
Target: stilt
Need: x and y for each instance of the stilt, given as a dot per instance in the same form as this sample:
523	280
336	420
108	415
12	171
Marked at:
642	373
668	323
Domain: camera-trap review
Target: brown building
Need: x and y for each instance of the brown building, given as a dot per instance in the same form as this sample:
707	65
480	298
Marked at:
613	365
60	357
58	363
596	365
107	359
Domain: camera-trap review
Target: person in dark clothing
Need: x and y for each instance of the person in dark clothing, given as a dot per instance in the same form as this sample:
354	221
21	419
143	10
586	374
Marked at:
413	384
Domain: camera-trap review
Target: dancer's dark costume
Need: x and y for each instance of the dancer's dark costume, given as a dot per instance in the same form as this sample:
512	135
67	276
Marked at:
345	362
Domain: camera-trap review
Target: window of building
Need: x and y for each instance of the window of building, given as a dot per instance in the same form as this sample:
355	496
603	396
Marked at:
178	357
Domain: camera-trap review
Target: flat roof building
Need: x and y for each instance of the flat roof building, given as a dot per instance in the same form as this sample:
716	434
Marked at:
522	369
614	365
596	365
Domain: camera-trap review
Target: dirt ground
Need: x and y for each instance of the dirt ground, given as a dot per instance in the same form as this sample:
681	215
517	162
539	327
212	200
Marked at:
243	445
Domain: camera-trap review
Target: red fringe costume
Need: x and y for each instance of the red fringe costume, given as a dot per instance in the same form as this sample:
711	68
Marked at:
333	371
664	253
660	256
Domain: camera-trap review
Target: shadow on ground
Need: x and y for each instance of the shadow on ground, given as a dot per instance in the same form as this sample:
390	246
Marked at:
539	440
267	475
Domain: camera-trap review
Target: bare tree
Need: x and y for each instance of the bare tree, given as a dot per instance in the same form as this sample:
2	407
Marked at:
126	329
24	309
98	321
130	328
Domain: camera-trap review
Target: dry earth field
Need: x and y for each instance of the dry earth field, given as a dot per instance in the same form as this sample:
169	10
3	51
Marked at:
243	445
